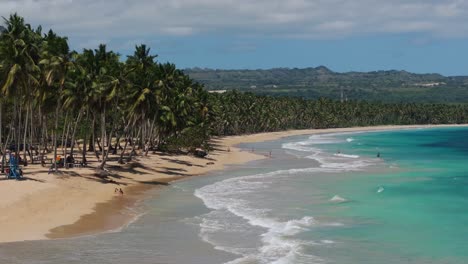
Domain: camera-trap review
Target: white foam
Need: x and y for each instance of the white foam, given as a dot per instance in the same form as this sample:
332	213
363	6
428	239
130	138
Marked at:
277	246
307	145
324	139
350	139
339	164
346	155
218	221
326	160
338	199
228	197
334	224
175	186
303	146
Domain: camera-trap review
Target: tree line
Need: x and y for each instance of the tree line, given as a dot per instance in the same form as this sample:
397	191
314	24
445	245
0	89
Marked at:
244	113
312	83
52	96
55	100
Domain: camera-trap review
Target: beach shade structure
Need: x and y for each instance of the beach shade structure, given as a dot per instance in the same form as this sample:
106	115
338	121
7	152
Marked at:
14	171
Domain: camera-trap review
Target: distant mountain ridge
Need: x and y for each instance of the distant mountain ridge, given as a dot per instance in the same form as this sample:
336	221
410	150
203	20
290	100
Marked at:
391	86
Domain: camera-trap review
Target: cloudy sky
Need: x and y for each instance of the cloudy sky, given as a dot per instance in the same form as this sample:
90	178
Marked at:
344	35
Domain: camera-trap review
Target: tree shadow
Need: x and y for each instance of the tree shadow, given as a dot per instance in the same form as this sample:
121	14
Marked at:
173	169
31	179
182	162
172	173
104	180
215	144
130	168
155	183
65	174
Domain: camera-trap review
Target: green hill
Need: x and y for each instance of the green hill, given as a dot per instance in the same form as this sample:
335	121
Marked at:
388	86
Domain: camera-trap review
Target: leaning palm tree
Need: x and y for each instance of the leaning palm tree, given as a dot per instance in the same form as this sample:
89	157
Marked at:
56	62
142	89
104	70
19	54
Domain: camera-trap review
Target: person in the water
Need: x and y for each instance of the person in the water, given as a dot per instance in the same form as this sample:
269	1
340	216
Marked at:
378	154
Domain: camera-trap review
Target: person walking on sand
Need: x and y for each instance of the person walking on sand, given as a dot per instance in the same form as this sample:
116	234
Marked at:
121	192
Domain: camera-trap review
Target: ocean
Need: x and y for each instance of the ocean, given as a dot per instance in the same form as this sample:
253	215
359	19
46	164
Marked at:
352	198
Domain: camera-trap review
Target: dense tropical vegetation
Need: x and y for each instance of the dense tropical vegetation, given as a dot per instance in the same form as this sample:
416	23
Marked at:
54	100
313	83
51	97
240	113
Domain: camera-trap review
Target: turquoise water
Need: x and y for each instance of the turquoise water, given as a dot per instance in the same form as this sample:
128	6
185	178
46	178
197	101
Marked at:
320	199
421	213
407	206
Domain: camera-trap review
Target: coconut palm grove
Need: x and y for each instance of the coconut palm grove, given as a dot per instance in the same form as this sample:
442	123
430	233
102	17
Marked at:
57	101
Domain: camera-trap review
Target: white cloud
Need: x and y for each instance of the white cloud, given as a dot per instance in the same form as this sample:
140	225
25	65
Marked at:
338	25
139	19
179	31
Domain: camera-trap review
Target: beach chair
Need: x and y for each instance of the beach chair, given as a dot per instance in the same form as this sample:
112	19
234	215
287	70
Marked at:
78	163
14	171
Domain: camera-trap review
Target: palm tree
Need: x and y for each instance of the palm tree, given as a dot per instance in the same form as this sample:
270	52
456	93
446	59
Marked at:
56	65
105	70
19	54
143	87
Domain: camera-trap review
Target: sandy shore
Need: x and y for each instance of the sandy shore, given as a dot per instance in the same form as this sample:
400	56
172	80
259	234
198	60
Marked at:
75	202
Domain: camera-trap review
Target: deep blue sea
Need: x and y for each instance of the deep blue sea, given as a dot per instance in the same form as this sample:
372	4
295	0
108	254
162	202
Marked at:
320	199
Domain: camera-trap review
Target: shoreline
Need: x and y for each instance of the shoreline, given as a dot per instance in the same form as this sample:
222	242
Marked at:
75	203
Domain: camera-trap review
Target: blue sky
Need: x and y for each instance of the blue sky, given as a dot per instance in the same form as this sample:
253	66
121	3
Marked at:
364	53
362	35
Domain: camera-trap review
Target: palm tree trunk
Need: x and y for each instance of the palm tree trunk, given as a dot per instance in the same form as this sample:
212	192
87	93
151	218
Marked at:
1	126
150	139
18	129
57	109
40	138
127	138
98	142
4	149
83	158
103	132
65	144
105	154
65	126
45	135
74	132
91	139
141	143
117	143
24	137
134	144
92	144
31	132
